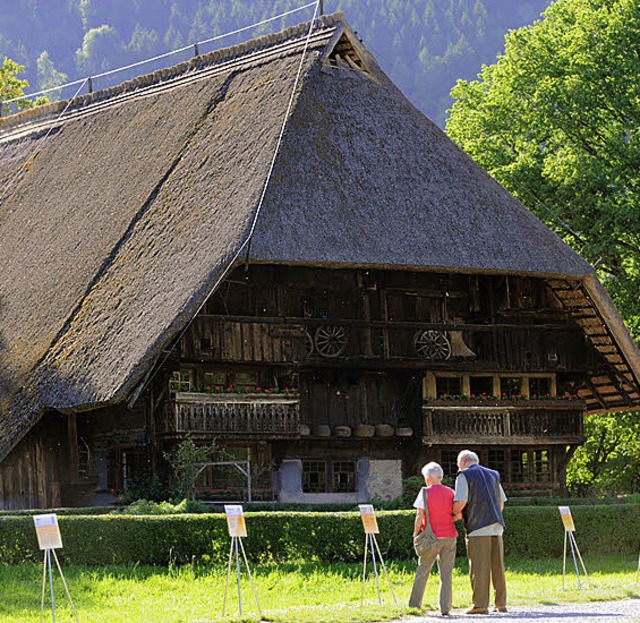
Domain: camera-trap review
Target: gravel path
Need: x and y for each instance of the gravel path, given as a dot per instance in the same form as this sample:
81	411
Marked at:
623	611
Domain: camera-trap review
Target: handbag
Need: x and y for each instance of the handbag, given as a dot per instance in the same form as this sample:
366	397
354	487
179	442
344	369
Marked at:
425	540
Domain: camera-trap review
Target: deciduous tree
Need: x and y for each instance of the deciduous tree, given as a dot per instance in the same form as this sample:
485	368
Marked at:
10	85
557	121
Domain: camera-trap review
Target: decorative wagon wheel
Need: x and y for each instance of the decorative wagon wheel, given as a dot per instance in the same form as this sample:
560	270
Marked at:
432	344
308	340
330	340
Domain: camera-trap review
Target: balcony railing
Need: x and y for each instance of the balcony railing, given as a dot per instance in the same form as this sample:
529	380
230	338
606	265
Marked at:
242	415
526	422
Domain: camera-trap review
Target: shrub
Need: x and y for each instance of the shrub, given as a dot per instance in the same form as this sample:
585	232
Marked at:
535	532
148	507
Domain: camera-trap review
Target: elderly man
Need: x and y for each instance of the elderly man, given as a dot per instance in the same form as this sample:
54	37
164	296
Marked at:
480	498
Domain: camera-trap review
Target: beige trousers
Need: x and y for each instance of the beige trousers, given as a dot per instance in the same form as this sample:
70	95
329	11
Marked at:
445	553
486	565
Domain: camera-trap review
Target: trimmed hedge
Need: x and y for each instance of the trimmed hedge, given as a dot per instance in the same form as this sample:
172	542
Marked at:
119	539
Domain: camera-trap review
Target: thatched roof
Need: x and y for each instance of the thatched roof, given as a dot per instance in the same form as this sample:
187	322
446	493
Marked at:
120	211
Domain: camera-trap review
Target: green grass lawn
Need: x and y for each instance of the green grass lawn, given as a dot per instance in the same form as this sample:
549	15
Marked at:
288	593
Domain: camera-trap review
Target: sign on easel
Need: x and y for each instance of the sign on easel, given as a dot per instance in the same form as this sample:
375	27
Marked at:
369	521
235	520
48	531
49	540
370	525
237	531
567	519
569	529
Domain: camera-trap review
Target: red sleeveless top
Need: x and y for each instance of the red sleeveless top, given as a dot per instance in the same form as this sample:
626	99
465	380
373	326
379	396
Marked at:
440	502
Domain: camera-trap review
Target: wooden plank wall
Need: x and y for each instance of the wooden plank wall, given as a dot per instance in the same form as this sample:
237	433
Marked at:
29	476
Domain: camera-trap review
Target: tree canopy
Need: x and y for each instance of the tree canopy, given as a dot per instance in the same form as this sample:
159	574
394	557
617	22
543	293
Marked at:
556	120
10	85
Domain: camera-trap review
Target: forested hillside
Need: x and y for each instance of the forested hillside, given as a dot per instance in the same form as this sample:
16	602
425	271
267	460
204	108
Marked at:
424	45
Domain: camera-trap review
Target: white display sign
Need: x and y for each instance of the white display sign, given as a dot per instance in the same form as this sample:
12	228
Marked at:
47	531
235	520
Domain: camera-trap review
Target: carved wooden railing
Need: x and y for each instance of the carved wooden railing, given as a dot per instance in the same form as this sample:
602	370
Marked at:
242	415
527	421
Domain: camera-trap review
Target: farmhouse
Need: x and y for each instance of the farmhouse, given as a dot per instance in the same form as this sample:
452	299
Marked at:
333	308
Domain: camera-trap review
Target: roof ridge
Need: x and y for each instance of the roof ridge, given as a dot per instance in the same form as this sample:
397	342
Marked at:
215	57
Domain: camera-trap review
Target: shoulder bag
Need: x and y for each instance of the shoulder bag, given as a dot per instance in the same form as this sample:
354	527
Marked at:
426	540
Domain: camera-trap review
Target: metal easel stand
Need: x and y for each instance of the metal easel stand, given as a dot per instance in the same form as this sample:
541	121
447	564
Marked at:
574	550
47	567
235	541
369	541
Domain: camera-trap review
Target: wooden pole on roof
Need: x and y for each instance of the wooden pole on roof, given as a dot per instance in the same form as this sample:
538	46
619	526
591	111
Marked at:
321	9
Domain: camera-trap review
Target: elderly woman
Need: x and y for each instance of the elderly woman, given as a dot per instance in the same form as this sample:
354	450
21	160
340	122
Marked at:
440	506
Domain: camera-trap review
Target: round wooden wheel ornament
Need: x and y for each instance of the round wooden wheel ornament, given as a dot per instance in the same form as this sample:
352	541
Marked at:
308	342
330	340
432	344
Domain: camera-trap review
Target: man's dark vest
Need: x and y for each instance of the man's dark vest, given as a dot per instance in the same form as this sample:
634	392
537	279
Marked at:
483	504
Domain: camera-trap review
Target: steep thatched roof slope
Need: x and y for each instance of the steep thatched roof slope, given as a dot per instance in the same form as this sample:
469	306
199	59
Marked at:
367	179
120	212
131	208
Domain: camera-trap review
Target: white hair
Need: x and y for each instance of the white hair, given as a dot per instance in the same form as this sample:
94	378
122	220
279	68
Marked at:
467	456
434	470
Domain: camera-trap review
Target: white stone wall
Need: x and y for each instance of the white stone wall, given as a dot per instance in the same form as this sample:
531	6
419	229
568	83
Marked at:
384	479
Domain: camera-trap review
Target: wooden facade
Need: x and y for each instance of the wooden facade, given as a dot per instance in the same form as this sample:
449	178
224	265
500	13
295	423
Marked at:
335	365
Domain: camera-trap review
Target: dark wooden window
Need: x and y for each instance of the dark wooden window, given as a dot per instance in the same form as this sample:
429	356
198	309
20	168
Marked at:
314	476
180	381
449	464
213	379
542	465
127	467
448	386
539	386
510	385
519	466
328	476
496	460
479	385
344	476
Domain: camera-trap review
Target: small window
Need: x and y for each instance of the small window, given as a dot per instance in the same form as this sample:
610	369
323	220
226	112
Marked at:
510	386
344	476
314	476
481	385
539	387
448	386
496	460
449	464
519	466
214	379
542	465
246	379
180	381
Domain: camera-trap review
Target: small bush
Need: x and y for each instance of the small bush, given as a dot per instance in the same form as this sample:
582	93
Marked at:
148	507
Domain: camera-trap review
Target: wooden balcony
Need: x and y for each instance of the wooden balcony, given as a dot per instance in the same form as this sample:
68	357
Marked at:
527	422
238	415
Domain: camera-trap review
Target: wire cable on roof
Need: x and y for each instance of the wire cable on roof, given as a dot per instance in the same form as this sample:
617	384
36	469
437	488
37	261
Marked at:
249	236
161	56
39	147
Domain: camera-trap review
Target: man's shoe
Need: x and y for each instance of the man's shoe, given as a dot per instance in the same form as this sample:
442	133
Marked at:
500	609
475	610
444	614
